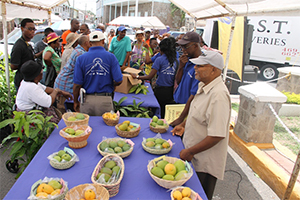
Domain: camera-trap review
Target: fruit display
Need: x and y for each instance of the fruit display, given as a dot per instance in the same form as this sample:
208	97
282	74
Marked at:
72	132
76	141
139	88
88	192
109	172
75	118
111	118
169	172
128	129
157	145
184	193
118	146
49	188
158	125
63	159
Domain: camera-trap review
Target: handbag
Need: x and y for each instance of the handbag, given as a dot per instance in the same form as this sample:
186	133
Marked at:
50	76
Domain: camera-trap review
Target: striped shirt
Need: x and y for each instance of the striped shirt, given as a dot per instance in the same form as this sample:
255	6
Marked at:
64	80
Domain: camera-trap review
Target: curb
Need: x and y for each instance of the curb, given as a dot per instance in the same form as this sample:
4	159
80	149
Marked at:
265	167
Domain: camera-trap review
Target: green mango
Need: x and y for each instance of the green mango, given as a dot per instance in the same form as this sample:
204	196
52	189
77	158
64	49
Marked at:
103	145
110	164
156	171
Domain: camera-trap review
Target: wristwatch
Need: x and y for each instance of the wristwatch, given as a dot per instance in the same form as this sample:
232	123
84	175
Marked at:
137	76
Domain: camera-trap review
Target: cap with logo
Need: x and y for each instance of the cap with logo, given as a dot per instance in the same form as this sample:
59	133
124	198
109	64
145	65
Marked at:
96	36
189	37
210	57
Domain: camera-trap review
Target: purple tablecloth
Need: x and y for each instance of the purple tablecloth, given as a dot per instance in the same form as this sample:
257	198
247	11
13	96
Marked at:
149	100
136	183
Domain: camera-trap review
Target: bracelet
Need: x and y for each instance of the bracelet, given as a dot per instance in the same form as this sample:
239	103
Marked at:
137	77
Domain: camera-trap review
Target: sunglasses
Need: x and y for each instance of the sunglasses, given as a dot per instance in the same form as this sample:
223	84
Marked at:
30	28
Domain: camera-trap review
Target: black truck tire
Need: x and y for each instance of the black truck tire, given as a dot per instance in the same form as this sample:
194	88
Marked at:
268	72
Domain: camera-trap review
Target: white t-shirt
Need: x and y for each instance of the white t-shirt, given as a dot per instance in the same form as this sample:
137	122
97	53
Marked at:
31	94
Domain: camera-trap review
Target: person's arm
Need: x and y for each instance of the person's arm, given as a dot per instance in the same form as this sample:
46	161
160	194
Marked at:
52	92
47	58
117	83
147	77
182	61
206	143
179	129
126	60
184	113
39	54
147	58
76	89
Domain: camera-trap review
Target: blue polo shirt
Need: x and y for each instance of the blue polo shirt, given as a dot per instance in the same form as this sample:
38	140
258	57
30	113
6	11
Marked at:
165	72
97	70
120	48
188	85
158	55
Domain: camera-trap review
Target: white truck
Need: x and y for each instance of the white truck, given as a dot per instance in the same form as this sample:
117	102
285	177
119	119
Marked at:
275	43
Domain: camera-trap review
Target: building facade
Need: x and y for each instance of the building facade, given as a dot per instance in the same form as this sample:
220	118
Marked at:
107	10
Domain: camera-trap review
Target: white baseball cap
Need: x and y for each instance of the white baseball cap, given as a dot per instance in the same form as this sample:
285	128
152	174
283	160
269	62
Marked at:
147	30
210	57
96	36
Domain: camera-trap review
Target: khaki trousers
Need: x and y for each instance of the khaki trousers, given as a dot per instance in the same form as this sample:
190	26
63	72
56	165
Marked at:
96	105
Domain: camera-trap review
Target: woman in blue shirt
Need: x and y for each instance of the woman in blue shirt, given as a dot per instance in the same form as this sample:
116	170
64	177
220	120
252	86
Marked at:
165	67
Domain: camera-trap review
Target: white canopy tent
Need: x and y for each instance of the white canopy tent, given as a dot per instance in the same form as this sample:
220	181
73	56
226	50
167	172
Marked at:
145	22
35	9
204	9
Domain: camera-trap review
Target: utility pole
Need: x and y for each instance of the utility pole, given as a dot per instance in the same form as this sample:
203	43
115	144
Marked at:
84	14
73	9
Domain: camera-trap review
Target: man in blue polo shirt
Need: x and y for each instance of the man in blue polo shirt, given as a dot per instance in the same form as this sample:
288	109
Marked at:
98	72
185	76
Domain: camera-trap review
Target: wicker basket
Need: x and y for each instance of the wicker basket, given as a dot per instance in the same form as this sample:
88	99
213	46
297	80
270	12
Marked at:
113	189
166	183
63	165
194	195
111	122
156	151
159	130
122	155
77	122
59	197
127	134
76	142
77	192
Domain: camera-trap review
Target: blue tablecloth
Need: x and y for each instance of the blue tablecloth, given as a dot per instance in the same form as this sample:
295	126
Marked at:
149	100
136	183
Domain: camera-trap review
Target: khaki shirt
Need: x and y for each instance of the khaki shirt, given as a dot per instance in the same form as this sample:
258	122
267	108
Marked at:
209	115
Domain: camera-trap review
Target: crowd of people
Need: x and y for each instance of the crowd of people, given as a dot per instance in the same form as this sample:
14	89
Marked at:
86	66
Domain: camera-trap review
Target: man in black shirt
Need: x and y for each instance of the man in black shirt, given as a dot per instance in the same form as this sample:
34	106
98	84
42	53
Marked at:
22	51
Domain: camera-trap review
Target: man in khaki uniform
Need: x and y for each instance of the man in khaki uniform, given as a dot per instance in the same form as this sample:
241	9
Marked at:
206	128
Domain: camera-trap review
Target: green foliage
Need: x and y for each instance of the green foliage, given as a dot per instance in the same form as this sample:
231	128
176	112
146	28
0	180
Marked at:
133	110
292	97
235	106
30	131
5	105
174	9
139	88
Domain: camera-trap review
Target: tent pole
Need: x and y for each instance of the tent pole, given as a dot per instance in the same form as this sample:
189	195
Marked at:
4	23
229	47
49	17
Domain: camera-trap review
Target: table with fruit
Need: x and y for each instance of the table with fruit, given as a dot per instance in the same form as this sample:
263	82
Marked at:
137	181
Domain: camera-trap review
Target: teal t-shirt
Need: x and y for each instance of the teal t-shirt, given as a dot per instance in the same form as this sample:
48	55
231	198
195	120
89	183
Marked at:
120	48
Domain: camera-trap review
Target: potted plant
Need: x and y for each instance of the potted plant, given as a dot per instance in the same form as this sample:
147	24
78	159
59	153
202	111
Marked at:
30	132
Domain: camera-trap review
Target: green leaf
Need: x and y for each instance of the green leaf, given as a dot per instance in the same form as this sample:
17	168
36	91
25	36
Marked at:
6	122
140	103
16	147
143	109
138	90
133	88
128	108
26	129
121	100
33	133
124	112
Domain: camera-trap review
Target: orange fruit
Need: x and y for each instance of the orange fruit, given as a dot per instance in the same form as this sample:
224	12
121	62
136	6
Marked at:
170	169
40	187
42	195
89	195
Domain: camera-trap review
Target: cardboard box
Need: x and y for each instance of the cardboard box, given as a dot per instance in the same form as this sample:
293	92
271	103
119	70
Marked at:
127	84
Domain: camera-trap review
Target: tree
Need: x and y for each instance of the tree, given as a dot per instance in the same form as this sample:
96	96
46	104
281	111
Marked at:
176	9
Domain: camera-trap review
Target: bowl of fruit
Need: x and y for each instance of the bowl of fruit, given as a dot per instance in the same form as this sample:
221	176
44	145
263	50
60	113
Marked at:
49	188
63	159
169	172
111	118
157	145
184	193
76	135
128	129
109	173
88	191
75	118
119	146
158	125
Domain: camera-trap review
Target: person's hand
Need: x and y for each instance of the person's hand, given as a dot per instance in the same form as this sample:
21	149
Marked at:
67	95
77	106
183	60
146	45
185	154
133	75
178	130
176	122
